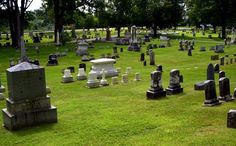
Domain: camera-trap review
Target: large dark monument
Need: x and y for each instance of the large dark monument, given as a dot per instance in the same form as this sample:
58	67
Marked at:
210	93
174	85
28	103
156	91
224	86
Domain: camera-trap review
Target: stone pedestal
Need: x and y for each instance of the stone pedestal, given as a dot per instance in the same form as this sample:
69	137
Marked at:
92	80
28	103
174	85
67	77
156	91
210	93
231	119
224	86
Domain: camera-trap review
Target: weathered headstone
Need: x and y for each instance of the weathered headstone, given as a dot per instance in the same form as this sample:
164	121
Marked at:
134	42
156	91
224	86
81	74
210	72
137	77
28	103
189	52
203	49
217	68
174	85
142	57
124	78
159	68
231	119
82	48
222	61
114	80
67	77
221	74
115	50
210	93
92	80
152	58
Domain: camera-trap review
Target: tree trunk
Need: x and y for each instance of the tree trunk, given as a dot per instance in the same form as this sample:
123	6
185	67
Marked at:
118	31
155	31
223	31
214	28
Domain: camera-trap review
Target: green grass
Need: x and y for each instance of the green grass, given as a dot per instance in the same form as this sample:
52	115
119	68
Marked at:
120	114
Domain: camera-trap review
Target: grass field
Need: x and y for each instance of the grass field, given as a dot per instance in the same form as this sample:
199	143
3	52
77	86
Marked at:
120	114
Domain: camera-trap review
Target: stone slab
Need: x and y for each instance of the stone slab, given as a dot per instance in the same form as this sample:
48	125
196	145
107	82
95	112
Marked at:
155	94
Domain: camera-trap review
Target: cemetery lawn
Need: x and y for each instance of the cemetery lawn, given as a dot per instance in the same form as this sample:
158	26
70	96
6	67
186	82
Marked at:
120	114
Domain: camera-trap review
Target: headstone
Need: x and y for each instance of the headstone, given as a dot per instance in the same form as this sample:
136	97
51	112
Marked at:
210	93
114	80
181	46
189	52
124	78
210	72
23	50
219	49
174	85
221	74
67	77
104	63
217	68
224	86
81	74
231	119
159	68
144	63
128	70
142	57
103	81
82	48
115	50
214	57
231	60
212	48
92	80
152	58
82	65
71	68
134	42
52	60
156	91
137	77
203	49
222	61
28	103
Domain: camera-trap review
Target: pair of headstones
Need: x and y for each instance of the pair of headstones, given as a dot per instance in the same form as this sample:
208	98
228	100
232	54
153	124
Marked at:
156	90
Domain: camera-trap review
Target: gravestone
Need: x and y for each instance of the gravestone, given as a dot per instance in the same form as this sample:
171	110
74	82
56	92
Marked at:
224	86
82	48
221	74
134	42
81	74
144	63
222	61
212	48
219	49
128	70
142	57
189	52
214	57
92	80
114	80
210	93
210	72
152	58
103	81
67	77
231	119
124	78
71	68
137	77
156	90
52	60
104	63
203	49
217	68
159	68
231	60
174	84
82	65
121	49
115	50
28	103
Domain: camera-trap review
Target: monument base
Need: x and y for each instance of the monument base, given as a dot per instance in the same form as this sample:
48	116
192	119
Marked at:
231	119
25	119
67	79
212	102
170	91
226	98
134	47
81	77
155	94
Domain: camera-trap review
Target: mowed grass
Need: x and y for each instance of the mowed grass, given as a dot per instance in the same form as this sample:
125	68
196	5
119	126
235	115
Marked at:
120	114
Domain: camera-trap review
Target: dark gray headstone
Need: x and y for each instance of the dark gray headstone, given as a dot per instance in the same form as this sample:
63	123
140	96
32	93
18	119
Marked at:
221	74
210	93
144	63
231	119
159	68
224	86
222	61
142	57
152	58
210	72
189	52
82	65
217	68
114	50
174	84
